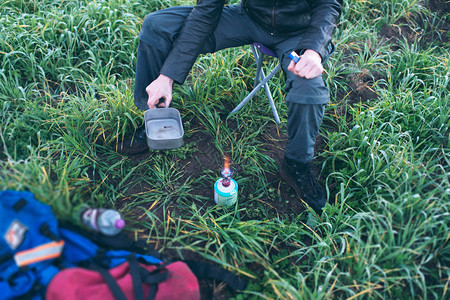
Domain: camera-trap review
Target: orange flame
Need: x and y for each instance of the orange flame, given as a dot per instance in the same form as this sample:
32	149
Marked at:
226	167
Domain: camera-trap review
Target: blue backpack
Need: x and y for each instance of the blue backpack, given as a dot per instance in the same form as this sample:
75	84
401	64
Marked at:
29	245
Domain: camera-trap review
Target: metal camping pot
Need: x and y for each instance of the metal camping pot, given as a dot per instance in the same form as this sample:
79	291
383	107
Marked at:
164	128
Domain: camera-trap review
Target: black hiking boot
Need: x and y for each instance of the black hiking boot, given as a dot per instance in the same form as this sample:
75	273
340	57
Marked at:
300	177
134	143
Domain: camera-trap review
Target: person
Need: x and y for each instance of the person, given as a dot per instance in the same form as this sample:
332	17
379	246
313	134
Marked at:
171	40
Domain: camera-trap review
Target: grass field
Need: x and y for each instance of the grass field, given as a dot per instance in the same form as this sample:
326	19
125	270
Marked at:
66	101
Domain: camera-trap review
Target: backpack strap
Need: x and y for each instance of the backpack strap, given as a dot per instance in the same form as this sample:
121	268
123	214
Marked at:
136	277
208	271
110	281
139	275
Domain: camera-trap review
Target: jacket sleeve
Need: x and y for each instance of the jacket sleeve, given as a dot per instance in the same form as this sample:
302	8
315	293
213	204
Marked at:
199	25
324	17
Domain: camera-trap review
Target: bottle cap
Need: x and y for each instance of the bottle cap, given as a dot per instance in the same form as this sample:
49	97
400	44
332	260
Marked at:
119	223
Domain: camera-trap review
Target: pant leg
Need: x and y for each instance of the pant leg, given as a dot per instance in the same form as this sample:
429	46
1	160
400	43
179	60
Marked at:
306	100
303	126
158	32
161	28
149	63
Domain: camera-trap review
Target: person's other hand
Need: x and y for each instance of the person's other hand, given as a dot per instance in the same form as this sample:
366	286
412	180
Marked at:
309	65
160	88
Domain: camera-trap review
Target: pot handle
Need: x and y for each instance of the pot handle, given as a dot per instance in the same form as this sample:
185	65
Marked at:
161	101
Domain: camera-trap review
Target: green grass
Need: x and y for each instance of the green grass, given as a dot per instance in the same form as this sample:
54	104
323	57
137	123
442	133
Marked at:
66	100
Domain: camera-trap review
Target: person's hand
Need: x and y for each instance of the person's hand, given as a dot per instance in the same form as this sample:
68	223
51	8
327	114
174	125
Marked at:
161	87
309	65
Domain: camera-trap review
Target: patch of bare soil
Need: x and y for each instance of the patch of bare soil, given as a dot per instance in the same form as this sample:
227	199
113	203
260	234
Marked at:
441	7
207	157
420	29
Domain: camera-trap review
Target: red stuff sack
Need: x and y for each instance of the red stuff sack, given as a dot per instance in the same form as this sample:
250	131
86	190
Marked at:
129	280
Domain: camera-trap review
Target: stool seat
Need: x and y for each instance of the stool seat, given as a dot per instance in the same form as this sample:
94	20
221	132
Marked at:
264	50
261	80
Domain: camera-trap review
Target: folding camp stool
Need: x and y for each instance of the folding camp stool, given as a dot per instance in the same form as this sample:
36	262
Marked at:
261	80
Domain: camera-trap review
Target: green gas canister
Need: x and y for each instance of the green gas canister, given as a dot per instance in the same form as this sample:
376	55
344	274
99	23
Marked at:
226	188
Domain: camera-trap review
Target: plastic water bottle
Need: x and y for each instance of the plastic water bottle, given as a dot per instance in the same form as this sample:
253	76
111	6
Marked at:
105	221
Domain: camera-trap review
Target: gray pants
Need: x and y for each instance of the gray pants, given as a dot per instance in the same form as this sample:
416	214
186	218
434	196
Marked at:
305	99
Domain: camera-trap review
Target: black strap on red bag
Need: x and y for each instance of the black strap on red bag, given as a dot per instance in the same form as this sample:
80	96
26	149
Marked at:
139	276
110	281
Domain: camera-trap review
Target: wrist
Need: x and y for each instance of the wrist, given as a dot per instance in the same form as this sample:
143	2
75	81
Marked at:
313	53
165	79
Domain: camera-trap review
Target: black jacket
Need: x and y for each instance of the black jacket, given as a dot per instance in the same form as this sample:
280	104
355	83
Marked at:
314	20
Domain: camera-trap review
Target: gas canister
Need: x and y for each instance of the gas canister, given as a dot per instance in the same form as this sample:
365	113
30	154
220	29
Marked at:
225	191
225	194
226	188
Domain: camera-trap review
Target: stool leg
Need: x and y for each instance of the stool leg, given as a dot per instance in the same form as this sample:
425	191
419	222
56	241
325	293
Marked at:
258	59
269	96
272	104
256	89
